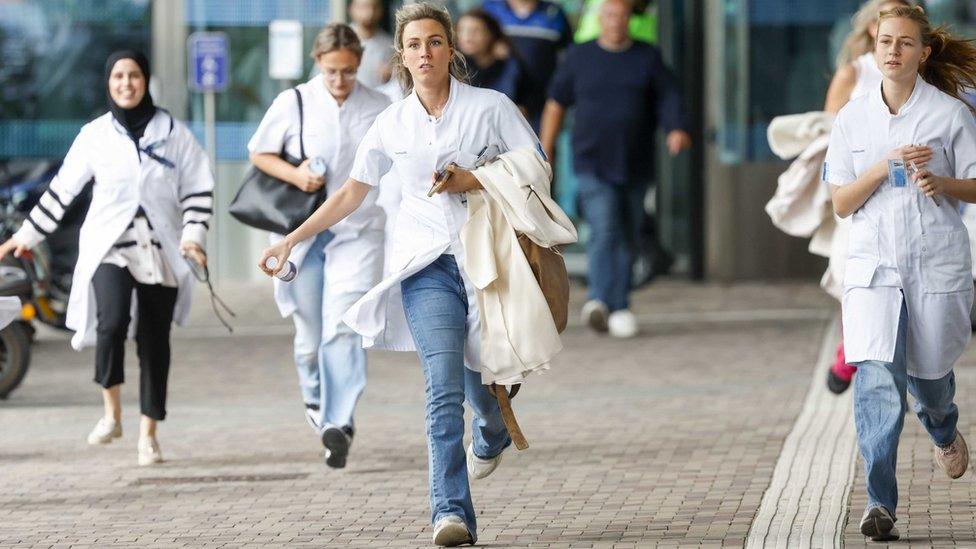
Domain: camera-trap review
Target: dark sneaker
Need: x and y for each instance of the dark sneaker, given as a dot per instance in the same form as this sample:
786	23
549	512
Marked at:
836	384
954	458
336	443
879	525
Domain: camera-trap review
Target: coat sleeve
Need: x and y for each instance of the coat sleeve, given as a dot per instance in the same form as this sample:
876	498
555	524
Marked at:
196	184
962	147
71	179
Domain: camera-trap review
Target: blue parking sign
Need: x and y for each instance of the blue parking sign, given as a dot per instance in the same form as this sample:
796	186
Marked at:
208	61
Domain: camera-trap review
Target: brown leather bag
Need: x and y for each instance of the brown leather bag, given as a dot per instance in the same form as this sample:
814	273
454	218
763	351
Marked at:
549	269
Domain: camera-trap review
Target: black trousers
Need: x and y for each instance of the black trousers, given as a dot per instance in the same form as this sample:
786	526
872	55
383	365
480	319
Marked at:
113	298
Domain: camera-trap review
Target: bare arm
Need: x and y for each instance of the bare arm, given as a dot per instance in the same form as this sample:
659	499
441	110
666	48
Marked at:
549	127
336	208
841	86
298	176
849	198
960	189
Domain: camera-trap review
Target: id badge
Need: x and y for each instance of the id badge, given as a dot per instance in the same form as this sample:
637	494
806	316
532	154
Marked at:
897	175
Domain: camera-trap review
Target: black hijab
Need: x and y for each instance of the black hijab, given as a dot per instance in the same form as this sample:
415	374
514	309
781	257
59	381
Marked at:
136	119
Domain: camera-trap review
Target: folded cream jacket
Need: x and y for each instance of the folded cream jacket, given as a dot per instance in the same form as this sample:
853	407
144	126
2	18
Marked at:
518	335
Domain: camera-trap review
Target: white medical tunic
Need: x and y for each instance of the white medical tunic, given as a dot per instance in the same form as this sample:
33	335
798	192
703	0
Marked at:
411	145
903	246
354	258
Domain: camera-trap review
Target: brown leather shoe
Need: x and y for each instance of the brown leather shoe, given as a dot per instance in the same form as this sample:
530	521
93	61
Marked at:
954	458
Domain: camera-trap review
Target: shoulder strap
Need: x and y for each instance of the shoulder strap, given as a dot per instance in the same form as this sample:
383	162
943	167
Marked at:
301	123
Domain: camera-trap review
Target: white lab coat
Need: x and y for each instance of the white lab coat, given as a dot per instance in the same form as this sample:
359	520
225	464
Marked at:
518	333
901	243
124	180
410	144
354	258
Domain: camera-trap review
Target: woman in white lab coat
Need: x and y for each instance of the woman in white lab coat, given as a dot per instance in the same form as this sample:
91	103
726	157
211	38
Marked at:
151	204
426	303
335	267
857	74
908	285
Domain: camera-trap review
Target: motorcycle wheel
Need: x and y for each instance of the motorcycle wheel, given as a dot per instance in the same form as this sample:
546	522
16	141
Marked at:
15	354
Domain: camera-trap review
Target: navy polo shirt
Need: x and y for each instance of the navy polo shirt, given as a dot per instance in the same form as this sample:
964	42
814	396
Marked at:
620	98
538	39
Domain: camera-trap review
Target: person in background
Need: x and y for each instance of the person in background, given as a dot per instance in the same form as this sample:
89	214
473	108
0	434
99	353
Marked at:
335	267
365	16
539	32
150	211
621	91
491	62
857	74
642	24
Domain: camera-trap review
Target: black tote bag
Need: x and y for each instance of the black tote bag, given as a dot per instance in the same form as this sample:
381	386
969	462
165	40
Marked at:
270	204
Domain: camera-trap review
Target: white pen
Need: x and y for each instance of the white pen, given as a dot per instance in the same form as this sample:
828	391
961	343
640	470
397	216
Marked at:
915	170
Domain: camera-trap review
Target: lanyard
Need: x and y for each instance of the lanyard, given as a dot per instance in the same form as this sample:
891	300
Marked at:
202	273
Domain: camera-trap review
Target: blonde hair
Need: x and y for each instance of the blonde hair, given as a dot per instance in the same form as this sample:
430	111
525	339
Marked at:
334	37
417	12
859	41
951	66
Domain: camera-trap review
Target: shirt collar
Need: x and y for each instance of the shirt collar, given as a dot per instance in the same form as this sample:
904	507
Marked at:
921	87
317	87
419	107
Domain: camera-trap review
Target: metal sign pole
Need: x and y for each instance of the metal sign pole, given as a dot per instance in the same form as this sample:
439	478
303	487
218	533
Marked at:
210	137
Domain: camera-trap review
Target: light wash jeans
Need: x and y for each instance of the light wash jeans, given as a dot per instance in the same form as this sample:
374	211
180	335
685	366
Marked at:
331	373
614	214
436	307
879	414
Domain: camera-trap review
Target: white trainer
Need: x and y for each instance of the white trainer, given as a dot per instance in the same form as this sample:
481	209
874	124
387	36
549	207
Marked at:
149	453
104	431
451	531
622	324
480	468
594	315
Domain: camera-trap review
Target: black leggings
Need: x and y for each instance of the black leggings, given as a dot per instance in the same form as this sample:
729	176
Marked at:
113	298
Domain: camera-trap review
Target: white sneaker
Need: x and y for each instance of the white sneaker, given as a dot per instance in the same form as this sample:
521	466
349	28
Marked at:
451	531
480	468
149	453
594	315
105	430
622	324
313	416
878	524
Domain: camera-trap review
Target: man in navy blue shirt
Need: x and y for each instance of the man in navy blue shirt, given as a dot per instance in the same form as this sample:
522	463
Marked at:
621	91
539	30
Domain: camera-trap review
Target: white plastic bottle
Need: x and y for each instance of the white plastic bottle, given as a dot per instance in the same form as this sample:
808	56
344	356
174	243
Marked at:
286	274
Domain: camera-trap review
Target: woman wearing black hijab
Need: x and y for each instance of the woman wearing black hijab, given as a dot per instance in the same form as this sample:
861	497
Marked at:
150	211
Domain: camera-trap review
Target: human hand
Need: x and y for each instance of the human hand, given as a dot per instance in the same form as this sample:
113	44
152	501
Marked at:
919	154
454	180
280	252
195	252
12	245
305	180
930	185
677	141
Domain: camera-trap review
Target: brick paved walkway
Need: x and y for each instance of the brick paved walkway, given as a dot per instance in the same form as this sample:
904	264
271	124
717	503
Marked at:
666	440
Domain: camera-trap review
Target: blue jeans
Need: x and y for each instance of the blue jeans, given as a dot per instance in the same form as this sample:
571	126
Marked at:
436	307
614	214
331	372
879	414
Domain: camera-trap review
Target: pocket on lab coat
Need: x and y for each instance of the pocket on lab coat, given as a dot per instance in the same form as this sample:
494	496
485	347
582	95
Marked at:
859	272
946	263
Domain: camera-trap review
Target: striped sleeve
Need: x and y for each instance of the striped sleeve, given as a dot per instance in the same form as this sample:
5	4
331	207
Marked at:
196	190
71	179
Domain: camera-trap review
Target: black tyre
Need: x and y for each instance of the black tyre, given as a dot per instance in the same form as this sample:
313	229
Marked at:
15	355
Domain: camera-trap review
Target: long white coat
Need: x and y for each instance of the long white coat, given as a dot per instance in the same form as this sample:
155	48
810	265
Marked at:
518	334
124	180
902	245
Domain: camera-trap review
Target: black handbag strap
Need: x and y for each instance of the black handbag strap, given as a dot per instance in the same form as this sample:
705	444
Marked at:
301	123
